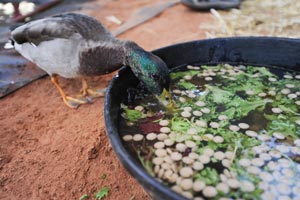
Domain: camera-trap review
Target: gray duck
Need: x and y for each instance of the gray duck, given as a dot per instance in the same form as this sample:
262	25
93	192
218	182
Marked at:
76	46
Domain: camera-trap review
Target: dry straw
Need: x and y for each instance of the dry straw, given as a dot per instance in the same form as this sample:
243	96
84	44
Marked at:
257	18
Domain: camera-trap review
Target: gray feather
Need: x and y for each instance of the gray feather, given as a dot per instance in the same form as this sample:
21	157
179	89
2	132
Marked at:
61	26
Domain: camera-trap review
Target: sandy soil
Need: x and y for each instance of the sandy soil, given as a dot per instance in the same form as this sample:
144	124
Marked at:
49	151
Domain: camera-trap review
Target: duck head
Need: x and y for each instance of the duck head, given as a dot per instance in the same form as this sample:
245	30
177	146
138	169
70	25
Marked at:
148	68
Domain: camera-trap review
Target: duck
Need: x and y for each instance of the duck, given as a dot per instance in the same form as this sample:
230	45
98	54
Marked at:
77	46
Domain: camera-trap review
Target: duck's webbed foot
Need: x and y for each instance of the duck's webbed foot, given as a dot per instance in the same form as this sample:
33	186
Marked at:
74	102
91	93
97	92
69	101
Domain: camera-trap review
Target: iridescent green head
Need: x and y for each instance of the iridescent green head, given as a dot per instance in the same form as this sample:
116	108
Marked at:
148	68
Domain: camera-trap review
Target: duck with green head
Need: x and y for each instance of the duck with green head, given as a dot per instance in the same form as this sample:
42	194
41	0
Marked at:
76	46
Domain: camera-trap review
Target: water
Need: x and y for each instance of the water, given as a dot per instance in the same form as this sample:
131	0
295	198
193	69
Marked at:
254	112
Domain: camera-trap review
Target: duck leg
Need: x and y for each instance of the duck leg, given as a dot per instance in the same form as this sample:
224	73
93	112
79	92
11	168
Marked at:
91	92
85	87
69	101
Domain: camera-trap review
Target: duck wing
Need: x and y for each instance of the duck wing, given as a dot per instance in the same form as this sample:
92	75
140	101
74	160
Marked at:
65	26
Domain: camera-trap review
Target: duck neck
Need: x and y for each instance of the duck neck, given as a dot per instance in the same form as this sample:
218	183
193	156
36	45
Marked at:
135	57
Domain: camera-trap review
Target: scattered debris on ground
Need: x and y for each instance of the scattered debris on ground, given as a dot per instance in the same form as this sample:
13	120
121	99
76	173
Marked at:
257	18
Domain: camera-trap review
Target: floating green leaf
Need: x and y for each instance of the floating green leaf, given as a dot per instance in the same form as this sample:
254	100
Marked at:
176	75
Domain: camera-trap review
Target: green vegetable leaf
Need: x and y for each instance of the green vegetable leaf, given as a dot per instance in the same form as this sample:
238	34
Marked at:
131	114
288	110
264	71
238	107
176	75
285	127
180	125
208	175
230	113
214	146
187	85
102	193
244	82
247	106
219	95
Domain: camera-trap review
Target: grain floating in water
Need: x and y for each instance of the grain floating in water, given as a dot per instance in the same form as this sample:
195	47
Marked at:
235	133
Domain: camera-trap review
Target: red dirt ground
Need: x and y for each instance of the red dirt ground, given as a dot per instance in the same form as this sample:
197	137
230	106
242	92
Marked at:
49	151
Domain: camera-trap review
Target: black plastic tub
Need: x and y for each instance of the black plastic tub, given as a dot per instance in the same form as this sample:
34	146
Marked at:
258	51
